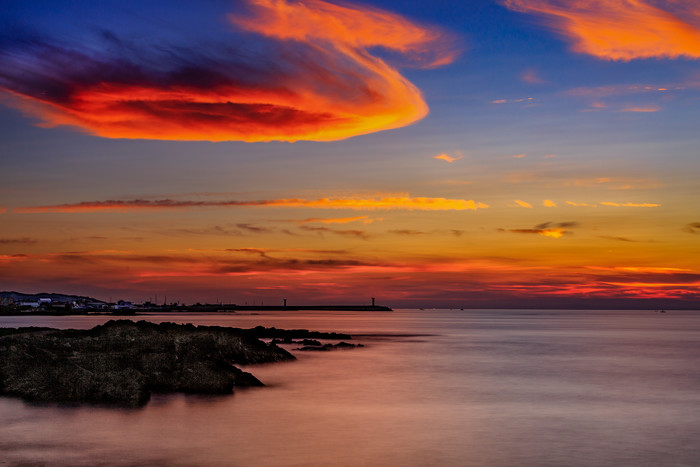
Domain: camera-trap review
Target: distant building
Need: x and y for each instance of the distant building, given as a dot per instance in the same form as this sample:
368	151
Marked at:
123	305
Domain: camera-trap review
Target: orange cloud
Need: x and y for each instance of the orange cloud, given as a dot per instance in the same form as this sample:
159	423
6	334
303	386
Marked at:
553	233
610	203
548	229
641	269
630	205
532	77
347	233
549	203
622	29
523	203
340	220
325	84
691	285
13	258
3	209
402	202
615	183
447	158
652	108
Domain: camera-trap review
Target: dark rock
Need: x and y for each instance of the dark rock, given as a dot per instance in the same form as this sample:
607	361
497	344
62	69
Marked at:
121	362
326	347
289	340
311	342
262	332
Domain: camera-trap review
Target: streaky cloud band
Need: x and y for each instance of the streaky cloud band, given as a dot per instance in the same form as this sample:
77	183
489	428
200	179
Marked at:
387	203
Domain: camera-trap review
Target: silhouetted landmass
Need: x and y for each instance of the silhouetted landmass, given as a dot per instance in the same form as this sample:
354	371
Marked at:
16	303
122	362
56	297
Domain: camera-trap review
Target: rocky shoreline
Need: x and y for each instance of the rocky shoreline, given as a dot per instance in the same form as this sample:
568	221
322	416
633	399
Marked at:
122	362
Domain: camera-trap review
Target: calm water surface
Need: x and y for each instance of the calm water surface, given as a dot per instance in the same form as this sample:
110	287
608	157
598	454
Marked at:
434	387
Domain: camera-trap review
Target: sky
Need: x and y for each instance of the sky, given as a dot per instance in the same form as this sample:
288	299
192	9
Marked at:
448	154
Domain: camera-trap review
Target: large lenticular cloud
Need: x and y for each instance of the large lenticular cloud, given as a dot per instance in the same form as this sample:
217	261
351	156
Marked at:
316	77
623	29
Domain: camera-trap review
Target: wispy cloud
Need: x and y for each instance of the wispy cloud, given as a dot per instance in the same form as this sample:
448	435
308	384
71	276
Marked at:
253	251
596	105
453	182
548	229
320	81
265	251
523	204
565	225
214	230
617	239
236	261
692	228
638	109
512	101
617	90
553	233
630	205
531	76
447	158
548	203
256	229
14	258
345	233
613	204
614	183
18	241
622	30
336	220
388	203
406	232
641	269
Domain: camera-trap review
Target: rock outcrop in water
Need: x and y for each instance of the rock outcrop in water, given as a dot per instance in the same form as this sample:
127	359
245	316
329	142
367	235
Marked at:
122	362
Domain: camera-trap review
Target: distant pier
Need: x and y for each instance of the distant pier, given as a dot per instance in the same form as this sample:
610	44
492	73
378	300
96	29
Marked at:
307	307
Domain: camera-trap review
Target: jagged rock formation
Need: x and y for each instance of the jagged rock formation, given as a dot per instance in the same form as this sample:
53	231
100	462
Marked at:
121	362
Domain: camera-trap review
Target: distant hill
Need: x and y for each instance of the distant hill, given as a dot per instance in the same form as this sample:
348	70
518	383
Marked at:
55	297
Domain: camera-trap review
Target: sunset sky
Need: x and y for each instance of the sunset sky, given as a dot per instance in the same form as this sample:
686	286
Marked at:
482	153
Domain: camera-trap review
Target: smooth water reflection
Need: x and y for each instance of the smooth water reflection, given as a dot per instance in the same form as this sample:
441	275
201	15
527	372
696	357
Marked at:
430	388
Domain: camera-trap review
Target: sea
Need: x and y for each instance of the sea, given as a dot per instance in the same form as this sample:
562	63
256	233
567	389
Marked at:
429	388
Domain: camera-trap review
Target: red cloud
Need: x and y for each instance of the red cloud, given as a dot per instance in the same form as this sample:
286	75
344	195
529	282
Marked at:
319	82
